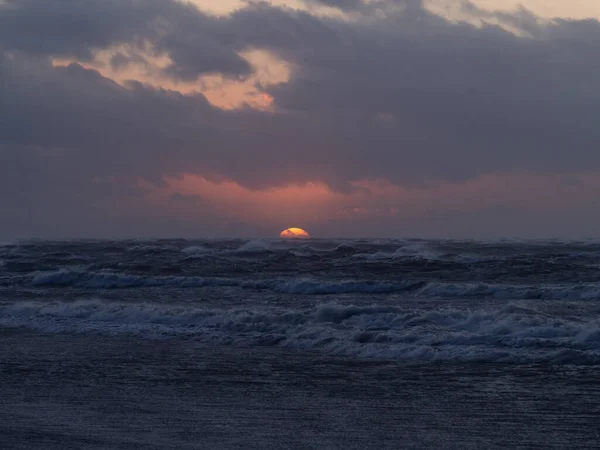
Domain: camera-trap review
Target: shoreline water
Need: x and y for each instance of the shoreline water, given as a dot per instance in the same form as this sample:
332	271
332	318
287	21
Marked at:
63	391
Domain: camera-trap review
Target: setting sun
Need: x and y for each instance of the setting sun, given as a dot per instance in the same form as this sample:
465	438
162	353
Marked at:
294	233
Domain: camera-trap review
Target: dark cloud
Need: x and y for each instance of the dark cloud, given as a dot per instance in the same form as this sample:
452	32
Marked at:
409	97
197	43
465	99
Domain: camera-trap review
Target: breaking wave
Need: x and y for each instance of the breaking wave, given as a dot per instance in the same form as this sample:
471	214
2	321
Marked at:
195	250
411	300
423	252
510	334
110	280
417	250
253	247
305	286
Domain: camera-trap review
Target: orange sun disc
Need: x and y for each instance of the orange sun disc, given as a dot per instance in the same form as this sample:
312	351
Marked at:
294	233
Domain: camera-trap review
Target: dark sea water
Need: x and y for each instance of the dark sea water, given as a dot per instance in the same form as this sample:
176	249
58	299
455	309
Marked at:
299	344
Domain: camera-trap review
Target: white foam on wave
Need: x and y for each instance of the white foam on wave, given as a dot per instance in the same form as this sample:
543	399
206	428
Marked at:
343	248
253	247
377	256
422	250
511	333
413	250
80	278
300	253
426	251
195	250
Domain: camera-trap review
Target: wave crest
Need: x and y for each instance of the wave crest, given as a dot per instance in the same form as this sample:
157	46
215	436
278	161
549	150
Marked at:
513	333
306	286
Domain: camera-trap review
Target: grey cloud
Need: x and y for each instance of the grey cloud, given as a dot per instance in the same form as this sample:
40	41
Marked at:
107	129
72	27
196	43
464	101
467	100
410	97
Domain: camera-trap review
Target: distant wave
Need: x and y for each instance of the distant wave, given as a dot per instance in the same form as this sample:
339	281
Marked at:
425	253
150	248
510	334
255	246
417	249
195	250
108	280
305	286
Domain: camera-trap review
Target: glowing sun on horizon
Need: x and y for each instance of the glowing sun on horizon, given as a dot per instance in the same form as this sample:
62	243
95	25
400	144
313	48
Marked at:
294	233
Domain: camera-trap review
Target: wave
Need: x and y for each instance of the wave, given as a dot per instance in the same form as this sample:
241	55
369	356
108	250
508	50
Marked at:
265	246
80	278
424	289
195	250
253	247
511	334
148	248
420	250
377	256
424	253
579	291
111	280
343	249
108	280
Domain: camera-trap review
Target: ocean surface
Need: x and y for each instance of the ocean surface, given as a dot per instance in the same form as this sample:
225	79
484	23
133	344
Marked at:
299	344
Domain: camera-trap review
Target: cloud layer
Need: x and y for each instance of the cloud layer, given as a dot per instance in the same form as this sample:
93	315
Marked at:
390	92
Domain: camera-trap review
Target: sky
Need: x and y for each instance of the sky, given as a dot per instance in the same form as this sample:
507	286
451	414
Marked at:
348	118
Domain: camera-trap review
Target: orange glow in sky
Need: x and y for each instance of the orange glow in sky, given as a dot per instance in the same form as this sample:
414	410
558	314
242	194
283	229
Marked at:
192	197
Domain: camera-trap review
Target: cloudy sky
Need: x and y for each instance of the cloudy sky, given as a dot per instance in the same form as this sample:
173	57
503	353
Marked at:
445	118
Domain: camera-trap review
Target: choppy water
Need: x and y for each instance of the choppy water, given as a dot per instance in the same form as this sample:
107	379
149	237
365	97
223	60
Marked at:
413	300
322	344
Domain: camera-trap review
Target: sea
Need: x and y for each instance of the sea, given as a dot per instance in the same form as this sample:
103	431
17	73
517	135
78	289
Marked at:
299	344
